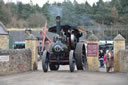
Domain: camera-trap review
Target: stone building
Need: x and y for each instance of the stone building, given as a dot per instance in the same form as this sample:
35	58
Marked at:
4	37
20	35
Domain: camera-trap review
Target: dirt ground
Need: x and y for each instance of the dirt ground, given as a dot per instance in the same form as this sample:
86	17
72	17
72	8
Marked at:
65	77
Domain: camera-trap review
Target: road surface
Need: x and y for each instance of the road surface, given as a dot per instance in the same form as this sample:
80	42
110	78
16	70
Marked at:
65	77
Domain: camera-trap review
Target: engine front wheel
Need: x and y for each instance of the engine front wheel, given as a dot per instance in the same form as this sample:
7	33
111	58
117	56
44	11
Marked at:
71	61
45	61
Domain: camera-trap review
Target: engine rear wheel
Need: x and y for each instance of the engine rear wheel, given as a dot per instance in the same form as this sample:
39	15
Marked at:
54	66
45	61
80	55
71	61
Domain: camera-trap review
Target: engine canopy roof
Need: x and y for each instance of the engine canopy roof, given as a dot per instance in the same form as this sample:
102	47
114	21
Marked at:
77	31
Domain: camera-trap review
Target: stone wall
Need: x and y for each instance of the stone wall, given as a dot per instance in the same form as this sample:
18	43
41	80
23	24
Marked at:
19	61
4	41
123	60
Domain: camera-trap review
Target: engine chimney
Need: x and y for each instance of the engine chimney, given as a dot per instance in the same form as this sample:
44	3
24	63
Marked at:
58	27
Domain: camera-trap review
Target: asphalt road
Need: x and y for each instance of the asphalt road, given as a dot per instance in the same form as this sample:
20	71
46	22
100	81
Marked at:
65	77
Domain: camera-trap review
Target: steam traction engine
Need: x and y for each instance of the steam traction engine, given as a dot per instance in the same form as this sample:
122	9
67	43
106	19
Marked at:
65	49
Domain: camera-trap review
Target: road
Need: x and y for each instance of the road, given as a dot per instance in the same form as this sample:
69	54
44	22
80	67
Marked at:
65	77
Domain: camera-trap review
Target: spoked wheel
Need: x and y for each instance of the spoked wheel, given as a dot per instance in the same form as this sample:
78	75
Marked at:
54	66
71	61
45	61
80	55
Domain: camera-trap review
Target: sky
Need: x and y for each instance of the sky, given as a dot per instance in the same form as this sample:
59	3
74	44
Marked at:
41	2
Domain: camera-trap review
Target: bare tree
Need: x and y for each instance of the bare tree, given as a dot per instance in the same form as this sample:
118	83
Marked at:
115	15
36	20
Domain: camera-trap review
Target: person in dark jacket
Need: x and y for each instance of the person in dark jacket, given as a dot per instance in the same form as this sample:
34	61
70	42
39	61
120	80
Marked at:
101	57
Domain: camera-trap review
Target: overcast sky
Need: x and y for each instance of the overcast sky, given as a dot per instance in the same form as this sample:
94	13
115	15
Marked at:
41	2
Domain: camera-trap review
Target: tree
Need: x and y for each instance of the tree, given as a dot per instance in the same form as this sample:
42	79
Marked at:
73	13
21	23
117	5
19	9
102	12
5	13
115	15
124	13
88	8
124	4
36	20
24	10
45	10
36	8
68	13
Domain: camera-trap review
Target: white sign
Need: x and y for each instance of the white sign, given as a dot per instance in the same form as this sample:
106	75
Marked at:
4	58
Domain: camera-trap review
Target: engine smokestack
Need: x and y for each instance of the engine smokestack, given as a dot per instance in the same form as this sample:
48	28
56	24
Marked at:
58	27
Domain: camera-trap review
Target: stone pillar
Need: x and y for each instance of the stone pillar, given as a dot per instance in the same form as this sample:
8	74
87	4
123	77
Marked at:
31	43
92	53
4	37
4	41
119	44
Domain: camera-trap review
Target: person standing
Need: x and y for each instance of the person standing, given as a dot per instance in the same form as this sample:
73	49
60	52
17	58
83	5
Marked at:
108	59
101	57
